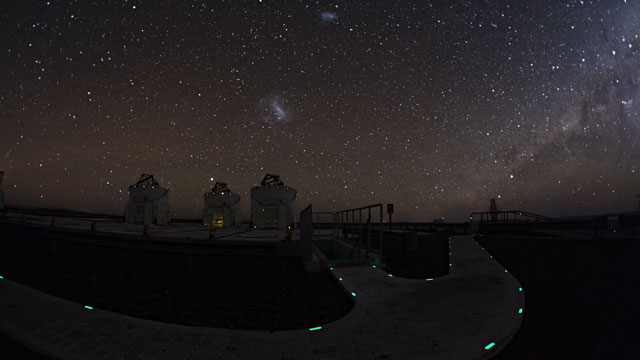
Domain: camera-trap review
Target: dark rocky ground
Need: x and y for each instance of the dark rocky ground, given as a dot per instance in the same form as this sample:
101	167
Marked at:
228	292
582	297
10	350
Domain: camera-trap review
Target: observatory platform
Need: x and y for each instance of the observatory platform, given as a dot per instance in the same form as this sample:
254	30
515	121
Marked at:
177	231
471	313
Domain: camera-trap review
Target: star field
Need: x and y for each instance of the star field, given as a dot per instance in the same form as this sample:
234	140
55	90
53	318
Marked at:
434	106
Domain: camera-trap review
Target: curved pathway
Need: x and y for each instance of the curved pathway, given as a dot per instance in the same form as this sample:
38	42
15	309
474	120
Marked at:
471	313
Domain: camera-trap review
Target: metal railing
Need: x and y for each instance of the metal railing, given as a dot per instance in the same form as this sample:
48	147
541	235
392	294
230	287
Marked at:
323	220
461	227
510	216
346	220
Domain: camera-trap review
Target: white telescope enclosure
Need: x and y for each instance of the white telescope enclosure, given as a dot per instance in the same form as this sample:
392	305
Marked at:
148	203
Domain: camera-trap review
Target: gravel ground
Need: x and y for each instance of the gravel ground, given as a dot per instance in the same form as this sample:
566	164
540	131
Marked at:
581	297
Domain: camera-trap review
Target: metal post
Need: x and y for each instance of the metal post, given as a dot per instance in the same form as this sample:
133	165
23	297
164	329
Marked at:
333	226
347	225
368	233
381	236
353	220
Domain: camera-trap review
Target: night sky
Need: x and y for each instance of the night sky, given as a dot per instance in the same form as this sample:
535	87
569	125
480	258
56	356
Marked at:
434	106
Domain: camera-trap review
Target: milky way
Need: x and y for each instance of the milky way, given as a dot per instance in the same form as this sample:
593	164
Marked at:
434	106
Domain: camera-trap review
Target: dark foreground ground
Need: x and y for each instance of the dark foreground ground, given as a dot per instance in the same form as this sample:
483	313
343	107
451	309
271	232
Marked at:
237	293
11	350
227	292
582	297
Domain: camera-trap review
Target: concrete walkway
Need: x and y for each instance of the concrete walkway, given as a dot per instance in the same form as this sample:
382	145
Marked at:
469	314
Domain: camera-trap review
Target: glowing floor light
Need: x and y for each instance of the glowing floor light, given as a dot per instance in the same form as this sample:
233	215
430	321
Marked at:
489	346
340	279
315	328
353	294
1	277
519	289
519	311
373	266
389	275
88	307
429	279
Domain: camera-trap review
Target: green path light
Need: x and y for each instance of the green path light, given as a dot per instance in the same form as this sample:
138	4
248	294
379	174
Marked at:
340	279
389	275
519	311
315	328
331	268
88	307
519	289
1	277
373	266
429	279
490	345
505	270
353	294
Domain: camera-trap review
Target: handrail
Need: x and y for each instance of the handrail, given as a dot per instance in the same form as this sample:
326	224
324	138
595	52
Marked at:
503	216
347	218
357	243
360	208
